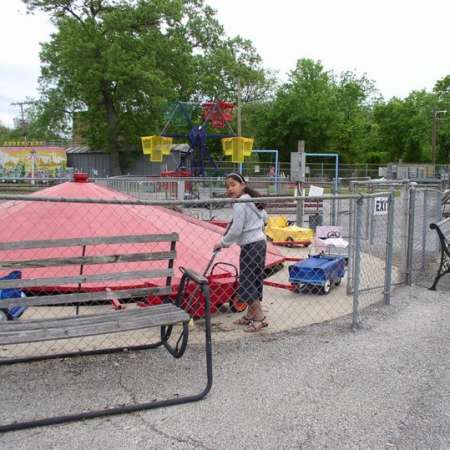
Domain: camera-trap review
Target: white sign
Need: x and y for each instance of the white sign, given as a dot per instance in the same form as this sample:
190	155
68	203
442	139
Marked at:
315	191
380	206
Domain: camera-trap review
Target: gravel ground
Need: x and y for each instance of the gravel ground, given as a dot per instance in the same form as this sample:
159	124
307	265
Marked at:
385	386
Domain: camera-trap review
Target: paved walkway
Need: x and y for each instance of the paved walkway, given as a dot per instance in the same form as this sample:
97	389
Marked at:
386	386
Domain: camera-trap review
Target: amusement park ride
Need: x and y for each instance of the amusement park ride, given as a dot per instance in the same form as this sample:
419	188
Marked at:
215	115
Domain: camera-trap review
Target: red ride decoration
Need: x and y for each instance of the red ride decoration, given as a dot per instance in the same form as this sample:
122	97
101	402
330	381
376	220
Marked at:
218	113
175	174
80	177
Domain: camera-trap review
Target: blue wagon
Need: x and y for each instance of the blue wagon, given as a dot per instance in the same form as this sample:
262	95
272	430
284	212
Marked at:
318	270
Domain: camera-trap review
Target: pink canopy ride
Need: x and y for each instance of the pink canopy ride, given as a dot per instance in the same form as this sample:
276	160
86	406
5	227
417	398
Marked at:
39	220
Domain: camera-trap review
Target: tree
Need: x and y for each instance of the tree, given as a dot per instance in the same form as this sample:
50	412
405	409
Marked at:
331	113
354	96
404	126
118	61
303	108
10	134
442	92
222	65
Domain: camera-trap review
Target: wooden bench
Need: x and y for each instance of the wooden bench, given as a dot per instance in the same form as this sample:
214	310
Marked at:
444	266
290	206
309	207
81	275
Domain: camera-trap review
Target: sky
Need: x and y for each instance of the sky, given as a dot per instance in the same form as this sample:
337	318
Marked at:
402	45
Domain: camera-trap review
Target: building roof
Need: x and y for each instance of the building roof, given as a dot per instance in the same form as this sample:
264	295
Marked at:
182	148
82	149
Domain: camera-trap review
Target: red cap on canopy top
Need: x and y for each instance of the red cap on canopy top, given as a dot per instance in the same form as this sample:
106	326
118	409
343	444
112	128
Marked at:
80	177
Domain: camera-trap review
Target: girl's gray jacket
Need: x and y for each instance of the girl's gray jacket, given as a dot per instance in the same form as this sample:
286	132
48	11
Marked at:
248	224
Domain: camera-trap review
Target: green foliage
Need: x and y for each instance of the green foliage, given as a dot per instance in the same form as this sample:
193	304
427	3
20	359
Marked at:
404	127
442	104
8	134
116	61
344	114
33	128
330	113
122	62
221	66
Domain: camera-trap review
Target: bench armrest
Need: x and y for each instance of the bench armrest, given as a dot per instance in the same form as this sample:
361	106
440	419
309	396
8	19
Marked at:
445	245
202	286
194	276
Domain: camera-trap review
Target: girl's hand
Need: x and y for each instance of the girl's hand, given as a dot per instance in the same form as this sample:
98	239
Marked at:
217	247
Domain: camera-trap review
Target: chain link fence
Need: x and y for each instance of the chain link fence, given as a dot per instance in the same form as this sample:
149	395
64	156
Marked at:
318	264
210	188
294	295
63	219
415	247
424	246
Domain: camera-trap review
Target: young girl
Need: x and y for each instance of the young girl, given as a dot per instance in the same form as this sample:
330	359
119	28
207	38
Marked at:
247	230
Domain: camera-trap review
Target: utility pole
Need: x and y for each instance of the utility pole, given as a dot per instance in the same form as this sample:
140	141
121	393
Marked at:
22	116
435	114
239	113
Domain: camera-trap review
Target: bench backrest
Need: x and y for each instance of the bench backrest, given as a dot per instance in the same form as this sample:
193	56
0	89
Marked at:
89	264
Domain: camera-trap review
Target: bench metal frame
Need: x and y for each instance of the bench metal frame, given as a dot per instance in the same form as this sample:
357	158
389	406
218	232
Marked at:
444	266
164	316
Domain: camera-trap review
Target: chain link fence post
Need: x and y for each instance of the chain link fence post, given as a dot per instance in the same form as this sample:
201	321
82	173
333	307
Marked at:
426	200
300	212
351	239
439	206
180	189
410	248
404	205
367	213
372	217
333	205
389	249
357	263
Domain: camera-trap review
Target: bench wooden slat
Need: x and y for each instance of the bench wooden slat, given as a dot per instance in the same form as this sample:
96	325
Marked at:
87	260
113	276
61	299
100	240
148	317
97	325
31	324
